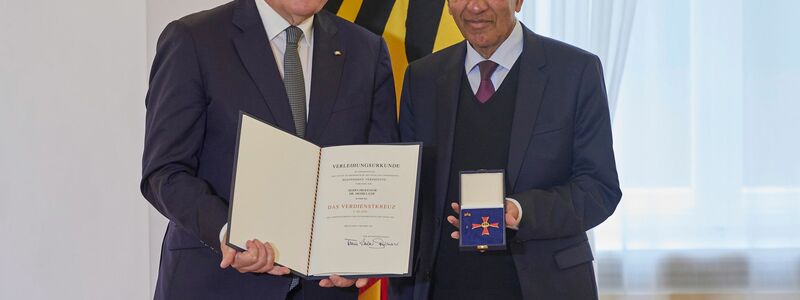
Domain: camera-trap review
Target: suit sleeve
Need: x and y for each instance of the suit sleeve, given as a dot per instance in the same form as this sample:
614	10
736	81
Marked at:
174	134
592	193
383	124
408	134
407	126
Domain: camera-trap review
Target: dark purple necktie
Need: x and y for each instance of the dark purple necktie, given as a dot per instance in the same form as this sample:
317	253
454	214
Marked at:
486	89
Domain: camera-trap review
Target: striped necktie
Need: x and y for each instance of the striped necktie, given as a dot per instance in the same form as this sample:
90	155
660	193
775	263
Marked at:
293	79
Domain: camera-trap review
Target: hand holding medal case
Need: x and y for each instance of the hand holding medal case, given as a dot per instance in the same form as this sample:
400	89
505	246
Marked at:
482	216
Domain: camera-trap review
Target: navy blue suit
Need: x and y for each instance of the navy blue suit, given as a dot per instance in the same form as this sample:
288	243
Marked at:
208	67
560	164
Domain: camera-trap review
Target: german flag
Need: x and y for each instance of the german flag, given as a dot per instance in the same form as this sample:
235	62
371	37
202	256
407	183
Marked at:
411	28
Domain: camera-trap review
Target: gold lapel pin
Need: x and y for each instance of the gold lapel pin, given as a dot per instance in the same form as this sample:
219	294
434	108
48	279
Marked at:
337	53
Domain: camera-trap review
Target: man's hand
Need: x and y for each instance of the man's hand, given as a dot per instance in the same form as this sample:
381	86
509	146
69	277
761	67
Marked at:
511	217
259	258
338	281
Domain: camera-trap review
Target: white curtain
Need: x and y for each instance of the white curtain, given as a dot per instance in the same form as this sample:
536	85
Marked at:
705	136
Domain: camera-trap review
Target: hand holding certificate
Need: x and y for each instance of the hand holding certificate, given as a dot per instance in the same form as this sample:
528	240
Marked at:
346	210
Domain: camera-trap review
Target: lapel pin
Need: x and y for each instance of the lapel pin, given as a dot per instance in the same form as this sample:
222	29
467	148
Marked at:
337	53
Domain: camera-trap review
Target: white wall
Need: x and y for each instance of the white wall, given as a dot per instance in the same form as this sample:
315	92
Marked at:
73	77
72	80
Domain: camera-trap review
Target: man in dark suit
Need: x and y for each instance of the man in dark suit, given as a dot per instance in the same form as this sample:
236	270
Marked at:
507	98
282	61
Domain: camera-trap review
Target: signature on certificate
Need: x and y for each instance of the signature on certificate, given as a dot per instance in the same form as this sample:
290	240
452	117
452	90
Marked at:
370	242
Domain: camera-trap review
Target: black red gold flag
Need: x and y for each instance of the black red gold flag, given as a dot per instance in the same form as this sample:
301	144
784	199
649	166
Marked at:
411	28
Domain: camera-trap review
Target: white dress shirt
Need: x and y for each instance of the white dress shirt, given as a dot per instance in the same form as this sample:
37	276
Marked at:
275	26
505	56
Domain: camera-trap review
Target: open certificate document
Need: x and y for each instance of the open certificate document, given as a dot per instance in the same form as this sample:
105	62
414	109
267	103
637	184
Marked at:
346	210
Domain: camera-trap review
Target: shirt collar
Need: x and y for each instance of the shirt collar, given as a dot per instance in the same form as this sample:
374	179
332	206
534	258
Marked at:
505	55
274	24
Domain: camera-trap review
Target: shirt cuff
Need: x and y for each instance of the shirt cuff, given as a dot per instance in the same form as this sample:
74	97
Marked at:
519	217
223	231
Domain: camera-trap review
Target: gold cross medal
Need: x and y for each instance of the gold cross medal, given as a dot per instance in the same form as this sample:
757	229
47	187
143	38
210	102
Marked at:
482	211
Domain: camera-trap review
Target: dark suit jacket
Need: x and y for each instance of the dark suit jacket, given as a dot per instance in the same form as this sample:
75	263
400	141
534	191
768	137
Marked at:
208	67
560	165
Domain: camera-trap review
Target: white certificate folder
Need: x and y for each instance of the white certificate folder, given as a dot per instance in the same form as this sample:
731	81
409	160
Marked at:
346	210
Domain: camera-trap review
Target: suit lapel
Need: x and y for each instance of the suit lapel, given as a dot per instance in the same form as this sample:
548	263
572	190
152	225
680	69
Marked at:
532	82
325	75
256	54
447	93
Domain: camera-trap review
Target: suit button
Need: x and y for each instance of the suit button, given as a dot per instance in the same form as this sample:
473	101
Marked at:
437	220
428	275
